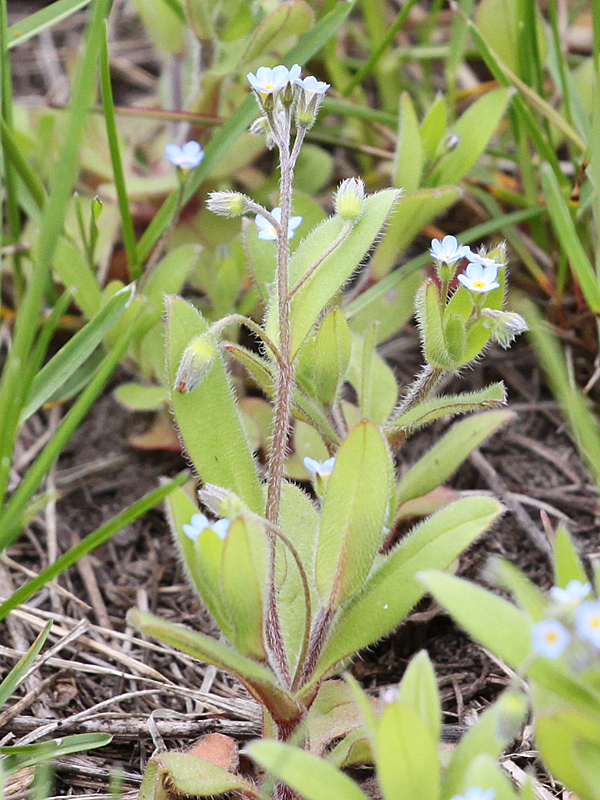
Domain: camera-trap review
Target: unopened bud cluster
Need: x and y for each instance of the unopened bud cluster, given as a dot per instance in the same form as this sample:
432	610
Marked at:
195	363
228	204
350	200
504	326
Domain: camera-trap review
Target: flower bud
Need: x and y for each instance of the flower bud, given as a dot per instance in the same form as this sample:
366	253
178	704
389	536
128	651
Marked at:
228	204
262	127
504	326
350	200
195	363
221	502
307	109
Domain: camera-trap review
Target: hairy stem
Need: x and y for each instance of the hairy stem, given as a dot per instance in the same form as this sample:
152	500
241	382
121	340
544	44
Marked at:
418	391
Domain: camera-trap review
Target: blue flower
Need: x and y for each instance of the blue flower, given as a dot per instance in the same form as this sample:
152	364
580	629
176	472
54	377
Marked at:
549	638
186	157
269	80
574	592
480	278
199	523
312	85
322	469
448	250
266	229
587	621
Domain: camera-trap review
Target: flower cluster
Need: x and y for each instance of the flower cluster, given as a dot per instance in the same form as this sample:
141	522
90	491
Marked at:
481	275
574	622
278	88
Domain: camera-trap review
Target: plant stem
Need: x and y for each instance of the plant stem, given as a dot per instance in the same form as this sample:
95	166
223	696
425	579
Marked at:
283	398
418	391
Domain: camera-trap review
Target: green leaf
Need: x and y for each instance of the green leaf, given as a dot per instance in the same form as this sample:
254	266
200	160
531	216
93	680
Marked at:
559	734
289	19
411	214
486	773
393	589
372	379
492	621
392	310
428	410
333	272
310	776
433	127
429	312
524	591
260	681
35	23
353	515
567	563
20	757
407	759
419	691
11	681
331	356
492	732
72	355
201	559
185	774
474	129
299	521
448	453
208	418
569	239
75	272
90	542
243	578
139	397
408	163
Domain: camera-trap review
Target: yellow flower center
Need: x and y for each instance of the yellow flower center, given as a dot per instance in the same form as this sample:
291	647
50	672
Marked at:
479	284
551	637
595	622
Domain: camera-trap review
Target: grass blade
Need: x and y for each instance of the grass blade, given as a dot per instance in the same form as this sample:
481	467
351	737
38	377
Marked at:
17	673
42	19
108	105
566	232
73	354
14	389
12	516
91	542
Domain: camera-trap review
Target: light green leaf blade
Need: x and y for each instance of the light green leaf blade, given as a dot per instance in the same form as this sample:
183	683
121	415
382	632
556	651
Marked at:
288	19
42	19
208	418
407	760
433	127
20	757
310	776
486	773
259	680
335	270
353	515
140	397
72	355
408	162
567	563
74	271
475	128
450	405
448	453
419	691
413	211
473	607
393	589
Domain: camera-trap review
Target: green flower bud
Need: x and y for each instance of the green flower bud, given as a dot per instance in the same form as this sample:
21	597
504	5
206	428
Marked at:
195	363
228	204
350	200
